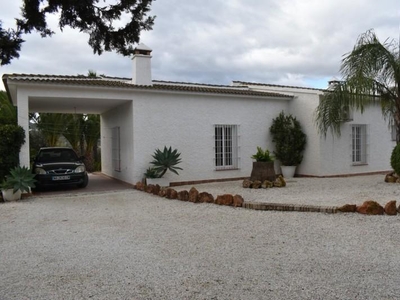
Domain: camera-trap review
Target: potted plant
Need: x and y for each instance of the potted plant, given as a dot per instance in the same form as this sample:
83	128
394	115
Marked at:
163	161
290	142
263	167
20	180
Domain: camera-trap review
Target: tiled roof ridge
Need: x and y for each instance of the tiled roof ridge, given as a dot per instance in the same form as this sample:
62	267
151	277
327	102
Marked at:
278	85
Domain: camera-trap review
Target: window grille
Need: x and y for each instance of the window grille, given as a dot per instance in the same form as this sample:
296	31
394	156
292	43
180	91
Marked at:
116	151
359	144
226	147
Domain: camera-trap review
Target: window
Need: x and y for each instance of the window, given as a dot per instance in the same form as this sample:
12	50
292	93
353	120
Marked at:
359	144
226	147
116	152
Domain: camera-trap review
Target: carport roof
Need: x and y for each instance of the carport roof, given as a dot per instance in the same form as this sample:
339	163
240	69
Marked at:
124	83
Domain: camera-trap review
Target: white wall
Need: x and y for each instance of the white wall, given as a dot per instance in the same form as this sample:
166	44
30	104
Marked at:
336	152
122	117
332	155
185	122
302	107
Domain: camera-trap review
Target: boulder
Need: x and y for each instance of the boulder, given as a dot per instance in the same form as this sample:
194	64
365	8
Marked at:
140	186
390	178
150	188
162	192
267	184
183	195
256	184
171	193
282	180
206	197
348	208
238	201
156	190
226	199
390	208
193	195
370	208
247	183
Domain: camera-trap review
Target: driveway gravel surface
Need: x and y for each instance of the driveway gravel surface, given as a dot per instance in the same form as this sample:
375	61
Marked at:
128	244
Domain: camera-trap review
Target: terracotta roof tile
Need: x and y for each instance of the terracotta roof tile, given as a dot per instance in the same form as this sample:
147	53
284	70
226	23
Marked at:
113	82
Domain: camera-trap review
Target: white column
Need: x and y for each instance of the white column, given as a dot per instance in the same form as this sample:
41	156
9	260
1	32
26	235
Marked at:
23	121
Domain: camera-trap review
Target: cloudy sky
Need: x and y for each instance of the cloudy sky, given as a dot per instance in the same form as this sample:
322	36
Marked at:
289	42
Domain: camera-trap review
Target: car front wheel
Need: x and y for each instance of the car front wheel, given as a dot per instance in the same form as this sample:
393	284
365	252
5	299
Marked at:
85	182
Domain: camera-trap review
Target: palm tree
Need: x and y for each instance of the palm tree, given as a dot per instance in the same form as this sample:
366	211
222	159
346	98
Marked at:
371	75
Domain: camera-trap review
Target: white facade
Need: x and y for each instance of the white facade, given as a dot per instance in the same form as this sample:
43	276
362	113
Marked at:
148	115
332	155
185	121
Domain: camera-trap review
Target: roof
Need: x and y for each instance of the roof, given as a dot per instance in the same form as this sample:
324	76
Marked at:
277	85
124	83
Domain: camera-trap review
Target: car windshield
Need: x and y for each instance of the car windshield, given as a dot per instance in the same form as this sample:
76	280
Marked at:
56	155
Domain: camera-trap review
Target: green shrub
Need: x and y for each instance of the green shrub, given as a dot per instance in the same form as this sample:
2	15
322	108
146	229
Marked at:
262	155
12	138
395	159
289	139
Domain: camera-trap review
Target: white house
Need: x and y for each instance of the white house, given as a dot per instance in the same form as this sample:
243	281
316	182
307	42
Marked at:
216	128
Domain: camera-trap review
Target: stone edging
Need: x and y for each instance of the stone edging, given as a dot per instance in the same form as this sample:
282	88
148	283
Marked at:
289	207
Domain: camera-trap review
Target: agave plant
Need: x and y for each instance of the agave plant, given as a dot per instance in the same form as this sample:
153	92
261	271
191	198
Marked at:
20	178
166	160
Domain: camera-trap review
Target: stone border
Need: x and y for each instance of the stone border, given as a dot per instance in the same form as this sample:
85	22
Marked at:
290	207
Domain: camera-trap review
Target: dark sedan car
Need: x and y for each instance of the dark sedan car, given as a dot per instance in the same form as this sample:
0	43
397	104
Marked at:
55	166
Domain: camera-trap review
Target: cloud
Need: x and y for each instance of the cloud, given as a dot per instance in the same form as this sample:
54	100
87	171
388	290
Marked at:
286	42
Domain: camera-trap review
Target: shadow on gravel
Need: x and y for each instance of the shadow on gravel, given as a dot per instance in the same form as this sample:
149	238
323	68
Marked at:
97	183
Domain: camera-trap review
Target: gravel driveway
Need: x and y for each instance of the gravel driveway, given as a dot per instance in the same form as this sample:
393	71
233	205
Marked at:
131	245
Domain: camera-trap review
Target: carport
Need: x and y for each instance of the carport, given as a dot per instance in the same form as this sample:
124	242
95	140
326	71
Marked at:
64	94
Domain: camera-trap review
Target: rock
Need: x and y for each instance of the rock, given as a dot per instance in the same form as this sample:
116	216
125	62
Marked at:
390	178
390	208
267	184
226	199
140	186
348	208
247	183
162	192
171	193
238	201
193	195
183	195
282	180
370	208
206	197
150	188
156	190
256	184
277	184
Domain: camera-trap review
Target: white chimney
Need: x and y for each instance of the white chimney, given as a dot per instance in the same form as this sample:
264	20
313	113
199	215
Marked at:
142	65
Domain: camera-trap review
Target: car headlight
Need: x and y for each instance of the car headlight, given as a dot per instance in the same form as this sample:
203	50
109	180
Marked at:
80	169
40	171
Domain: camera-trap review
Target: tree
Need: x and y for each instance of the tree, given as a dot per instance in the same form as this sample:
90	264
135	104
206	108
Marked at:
8	112
86	16
371	75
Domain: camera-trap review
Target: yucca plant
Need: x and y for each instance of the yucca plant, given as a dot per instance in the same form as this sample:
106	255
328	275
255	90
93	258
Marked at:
166	160
20	178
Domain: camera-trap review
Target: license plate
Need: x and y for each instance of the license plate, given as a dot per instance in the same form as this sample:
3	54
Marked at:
61	178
